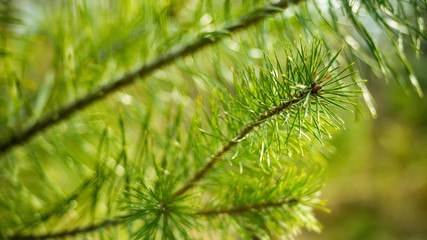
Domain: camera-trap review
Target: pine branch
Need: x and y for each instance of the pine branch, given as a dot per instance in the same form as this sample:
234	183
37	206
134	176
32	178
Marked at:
299	102
316	85
229	145
248	208
313	86
205	39
121	219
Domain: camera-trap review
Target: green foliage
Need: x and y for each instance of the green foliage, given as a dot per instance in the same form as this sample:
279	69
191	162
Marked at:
229	141
162	213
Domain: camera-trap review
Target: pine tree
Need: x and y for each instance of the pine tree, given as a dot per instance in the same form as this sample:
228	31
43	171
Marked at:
185	119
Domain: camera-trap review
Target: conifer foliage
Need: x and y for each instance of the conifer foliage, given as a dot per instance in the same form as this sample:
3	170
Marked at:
183	119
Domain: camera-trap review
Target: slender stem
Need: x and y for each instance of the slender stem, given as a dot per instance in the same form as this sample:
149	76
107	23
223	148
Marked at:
122	219
248	208
204	40
230	144
79	230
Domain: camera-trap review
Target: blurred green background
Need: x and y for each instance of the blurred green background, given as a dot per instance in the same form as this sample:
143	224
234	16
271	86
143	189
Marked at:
376	183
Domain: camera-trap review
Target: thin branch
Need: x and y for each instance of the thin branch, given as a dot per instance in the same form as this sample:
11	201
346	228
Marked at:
121	219
248	208
75	231
229	145
205	39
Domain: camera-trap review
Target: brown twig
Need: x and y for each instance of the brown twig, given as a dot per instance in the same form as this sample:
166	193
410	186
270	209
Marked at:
122	219
248	208
73	232
229	145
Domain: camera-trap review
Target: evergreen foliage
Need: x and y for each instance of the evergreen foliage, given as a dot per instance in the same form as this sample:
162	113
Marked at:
184	119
